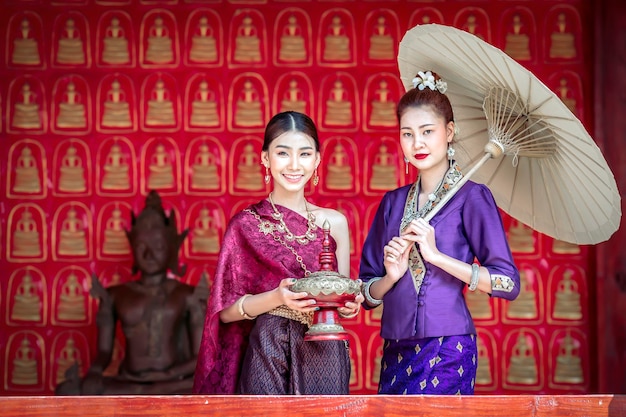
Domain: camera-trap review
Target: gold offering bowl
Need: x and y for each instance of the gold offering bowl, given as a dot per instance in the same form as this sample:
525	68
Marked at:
330	290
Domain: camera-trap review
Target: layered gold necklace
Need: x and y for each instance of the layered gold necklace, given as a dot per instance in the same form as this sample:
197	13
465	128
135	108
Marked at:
308	236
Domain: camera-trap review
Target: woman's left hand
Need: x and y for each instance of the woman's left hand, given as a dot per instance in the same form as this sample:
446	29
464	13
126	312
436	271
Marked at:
421	232
352	308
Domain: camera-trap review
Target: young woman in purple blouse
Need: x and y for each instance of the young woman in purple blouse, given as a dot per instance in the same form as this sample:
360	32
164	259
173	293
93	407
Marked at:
418	270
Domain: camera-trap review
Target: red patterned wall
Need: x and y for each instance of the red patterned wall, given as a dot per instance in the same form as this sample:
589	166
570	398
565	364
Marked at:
104	100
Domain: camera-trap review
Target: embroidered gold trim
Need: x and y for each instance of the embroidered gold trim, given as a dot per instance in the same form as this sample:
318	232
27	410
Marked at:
447	183
286	312
267	227
308	236
416	264
502	283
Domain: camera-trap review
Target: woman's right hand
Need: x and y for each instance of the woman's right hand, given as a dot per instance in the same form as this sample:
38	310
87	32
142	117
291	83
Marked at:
299	301
396	257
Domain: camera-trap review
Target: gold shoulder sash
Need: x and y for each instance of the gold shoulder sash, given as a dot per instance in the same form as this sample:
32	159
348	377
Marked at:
411	212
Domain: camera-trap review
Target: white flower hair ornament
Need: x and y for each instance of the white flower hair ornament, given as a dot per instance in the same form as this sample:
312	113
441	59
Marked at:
427	79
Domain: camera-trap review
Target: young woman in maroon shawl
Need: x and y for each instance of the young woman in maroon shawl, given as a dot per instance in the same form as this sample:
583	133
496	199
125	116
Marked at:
254	329
420	269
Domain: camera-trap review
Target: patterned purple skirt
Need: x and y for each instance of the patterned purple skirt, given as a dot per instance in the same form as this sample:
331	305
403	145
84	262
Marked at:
279	362
438	365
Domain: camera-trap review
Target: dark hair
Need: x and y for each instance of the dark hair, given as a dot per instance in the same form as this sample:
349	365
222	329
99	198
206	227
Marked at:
426	97
289	121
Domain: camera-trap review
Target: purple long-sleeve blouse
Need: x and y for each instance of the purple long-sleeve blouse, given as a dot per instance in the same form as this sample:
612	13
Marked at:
468	226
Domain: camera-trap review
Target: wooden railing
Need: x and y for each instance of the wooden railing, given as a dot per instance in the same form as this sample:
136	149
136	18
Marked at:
318	406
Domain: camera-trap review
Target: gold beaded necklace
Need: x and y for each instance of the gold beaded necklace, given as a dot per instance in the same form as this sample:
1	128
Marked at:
307	237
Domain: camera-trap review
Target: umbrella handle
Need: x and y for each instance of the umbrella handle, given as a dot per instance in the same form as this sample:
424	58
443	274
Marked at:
457	187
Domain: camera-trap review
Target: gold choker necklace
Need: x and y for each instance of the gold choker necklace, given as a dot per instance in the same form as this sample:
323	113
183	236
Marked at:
309	236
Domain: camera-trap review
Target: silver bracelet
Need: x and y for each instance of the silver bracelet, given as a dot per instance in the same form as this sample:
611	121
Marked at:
474	280
368	297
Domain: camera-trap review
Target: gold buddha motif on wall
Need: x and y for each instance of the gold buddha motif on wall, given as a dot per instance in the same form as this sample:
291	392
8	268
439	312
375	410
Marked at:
115	240
161	170
72	172
204	110
27	179
565	93
160	44
247	42
471	26
292	42
517	43
568	369
383	107
27	303
160	109
336	42
249	176
72	300
203	43
26	109
116	111
567	299
116	170
25	46
562	41
293	98
72	113
381	41
25	367
68	356
26	237
204	173
522	366
72	235
70	45
384	175
205	234
248	110
339	176
116	47
338	106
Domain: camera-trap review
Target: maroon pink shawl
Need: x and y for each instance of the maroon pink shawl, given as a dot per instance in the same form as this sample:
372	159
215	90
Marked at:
250	262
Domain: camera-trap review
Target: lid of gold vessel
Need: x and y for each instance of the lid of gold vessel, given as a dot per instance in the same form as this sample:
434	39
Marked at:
327	281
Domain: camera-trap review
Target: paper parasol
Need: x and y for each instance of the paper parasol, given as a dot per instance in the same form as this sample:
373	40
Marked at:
517	137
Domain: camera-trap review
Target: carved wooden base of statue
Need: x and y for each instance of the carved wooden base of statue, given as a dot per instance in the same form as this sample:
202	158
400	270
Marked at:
330	290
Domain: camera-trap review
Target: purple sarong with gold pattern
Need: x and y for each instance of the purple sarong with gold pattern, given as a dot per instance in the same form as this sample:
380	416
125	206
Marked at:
445	365
252	262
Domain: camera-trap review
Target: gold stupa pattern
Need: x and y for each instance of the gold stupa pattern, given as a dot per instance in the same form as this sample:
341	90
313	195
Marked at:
103	104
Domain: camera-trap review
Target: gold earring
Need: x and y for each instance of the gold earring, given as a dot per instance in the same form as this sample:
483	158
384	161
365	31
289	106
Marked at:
316	178
267	175
406	165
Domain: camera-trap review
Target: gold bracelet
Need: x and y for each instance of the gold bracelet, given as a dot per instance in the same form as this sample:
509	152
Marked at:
240	308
